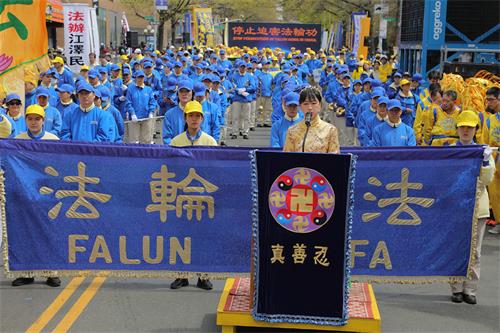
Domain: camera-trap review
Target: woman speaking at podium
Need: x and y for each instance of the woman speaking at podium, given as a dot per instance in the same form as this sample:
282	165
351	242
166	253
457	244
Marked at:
312	134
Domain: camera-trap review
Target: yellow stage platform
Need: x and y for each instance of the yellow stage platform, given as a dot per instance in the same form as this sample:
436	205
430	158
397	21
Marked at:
234	310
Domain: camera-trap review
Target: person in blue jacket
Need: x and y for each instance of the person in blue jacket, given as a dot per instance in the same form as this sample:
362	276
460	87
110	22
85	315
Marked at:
53	119
369	112
152	79
107	106
393	132
393	88
240	109
141	107
114	136
173	123
63	74
409	102
264	101
223	62
211	111
292	117
65	101
168	98
380	117
46	79
87	122
15	114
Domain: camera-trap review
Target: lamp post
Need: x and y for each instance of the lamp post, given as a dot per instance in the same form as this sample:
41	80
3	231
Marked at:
149	30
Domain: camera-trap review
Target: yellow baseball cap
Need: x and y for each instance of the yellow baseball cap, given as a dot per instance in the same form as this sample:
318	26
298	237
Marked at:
403	82
84	68
467	118
58	60
124	57
35	109
193	106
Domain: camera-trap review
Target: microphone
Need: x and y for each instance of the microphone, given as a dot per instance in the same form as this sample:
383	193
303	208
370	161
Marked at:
308	119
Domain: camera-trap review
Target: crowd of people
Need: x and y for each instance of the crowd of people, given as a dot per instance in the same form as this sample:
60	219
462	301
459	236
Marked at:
210	96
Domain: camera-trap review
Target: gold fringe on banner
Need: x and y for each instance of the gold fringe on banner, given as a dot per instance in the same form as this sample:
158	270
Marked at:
131	274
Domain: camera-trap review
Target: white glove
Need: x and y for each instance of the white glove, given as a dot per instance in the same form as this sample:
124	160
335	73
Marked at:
124	87
151	115
134	118
121	98
241	90
487	153
259	66
245	94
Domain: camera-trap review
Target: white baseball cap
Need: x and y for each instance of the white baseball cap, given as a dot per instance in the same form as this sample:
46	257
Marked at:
138	51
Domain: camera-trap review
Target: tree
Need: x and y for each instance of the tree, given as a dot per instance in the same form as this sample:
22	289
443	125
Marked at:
246	10
175	11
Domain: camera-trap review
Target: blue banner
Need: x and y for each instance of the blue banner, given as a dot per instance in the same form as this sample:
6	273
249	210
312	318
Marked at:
155	210
282	35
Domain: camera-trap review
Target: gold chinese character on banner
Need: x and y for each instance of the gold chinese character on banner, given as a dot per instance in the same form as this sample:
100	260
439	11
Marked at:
320	256
299	253
164	192
277	254
81	195
404	201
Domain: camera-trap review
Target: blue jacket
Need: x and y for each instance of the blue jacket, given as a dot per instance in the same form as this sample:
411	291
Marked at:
154	81
63	108
280	127
173	124
352	109
331	90
53	96
91	126
65	78
30	98
265	84
243	81
370	127
118	120
140	101
53	120
410	102
364	119
211	116
384	135
18	125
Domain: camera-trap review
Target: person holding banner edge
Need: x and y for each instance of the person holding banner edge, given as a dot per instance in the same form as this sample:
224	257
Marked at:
35	116
467	125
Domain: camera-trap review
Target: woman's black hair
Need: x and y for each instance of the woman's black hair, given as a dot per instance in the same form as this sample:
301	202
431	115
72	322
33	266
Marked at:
435	88
310	94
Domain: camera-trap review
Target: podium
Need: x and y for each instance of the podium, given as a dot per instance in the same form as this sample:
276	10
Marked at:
234	310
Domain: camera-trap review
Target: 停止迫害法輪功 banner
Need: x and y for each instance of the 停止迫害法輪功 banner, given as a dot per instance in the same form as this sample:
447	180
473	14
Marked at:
272	35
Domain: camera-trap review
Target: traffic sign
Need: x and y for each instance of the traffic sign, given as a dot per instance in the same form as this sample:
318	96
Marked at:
390	19
149	18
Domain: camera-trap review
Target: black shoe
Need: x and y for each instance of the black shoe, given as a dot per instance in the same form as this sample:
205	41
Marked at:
179	283
204	284
260	125
241	133
267	125
457	297
252	129
53	282
469	299
222	144
233	136
22	281
245	136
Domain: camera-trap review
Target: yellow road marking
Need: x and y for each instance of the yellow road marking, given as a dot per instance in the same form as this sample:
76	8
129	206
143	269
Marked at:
39	324
80	305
